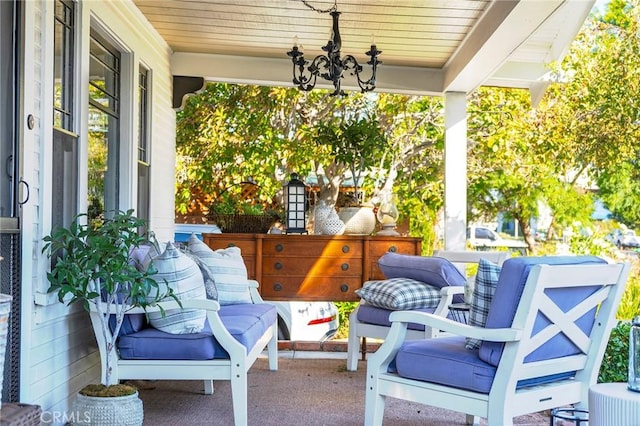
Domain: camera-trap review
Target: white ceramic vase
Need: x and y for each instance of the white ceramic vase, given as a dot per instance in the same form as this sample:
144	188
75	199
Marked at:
333	225
358	220
320	215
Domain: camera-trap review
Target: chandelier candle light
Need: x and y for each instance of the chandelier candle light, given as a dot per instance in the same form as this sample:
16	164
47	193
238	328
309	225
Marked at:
331	66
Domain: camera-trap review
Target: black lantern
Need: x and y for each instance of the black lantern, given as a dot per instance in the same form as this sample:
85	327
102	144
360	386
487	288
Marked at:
295	199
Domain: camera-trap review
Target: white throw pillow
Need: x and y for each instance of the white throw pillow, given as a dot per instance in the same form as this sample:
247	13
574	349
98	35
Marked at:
228	270
180	273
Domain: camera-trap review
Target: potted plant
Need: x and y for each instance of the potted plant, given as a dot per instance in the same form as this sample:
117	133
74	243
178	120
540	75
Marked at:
93	264
354	146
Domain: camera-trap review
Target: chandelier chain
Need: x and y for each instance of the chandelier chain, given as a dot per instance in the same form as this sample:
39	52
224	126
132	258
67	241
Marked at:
331	9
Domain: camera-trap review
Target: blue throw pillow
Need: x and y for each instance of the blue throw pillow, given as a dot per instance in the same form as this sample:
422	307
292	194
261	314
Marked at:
436	271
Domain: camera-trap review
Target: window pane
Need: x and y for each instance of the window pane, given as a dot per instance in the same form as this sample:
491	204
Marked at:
104	135
63	61
65	178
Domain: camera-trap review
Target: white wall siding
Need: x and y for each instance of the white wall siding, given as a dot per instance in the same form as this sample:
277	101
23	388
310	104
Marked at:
61	354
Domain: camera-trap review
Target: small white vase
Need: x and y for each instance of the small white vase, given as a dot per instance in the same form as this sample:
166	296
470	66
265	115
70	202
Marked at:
320	215
333	225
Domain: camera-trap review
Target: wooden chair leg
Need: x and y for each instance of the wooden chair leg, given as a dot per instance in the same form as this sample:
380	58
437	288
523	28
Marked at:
364	348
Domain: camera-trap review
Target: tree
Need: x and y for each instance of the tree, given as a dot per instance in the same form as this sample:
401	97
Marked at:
590	118
231	132
510	170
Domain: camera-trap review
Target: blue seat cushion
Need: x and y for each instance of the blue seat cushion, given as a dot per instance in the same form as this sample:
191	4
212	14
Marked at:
245	322
506	298
447	362
379	316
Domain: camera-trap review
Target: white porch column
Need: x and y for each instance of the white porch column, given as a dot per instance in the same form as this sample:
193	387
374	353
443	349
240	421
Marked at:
455	170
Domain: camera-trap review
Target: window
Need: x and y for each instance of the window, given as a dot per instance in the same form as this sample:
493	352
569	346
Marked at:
143	145
104	123
65	140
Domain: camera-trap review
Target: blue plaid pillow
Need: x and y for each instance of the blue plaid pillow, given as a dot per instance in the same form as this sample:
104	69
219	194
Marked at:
399	294
485	287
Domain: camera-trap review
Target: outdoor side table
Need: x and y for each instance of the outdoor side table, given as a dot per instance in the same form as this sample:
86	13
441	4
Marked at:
613	404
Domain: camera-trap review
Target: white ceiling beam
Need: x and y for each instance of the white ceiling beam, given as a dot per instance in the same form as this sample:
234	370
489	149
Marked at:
279	72
505	26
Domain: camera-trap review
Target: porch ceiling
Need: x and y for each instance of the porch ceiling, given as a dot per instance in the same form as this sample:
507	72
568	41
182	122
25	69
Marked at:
429	46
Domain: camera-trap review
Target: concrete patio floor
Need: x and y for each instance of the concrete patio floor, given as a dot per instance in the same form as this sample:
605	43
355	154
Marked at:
310	387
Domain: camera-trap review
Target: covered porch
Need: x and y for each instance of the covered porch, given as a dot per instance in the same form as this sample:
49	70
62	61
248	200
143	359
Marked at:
430	48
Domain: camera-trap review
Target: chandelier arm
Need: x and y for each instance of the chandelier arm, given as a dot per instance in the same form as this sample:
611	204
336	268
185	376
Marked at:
351	64
305	79
332	66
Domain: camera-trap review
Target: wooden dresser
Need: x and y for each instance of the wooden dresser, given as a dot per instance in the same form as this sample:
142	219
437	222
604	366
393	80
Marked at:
313	267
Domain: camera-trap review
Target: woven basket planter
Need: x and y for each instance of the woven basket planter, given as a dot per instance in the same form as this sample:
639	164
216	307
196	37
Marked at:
243	223
107	411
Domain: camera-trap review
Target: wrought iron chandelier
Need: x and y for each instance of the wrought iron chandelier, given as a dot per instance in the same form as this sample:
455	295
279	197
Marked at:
331	66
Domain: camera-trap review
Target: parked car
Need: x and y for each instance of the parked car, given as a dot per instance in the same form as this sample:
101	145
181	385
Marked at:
311	321
624	238
481	236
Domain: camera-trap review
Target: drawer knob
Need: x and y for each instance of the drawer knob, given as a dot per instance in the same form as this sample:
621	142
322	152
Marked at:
345	266
277	287
231	245
344	288
345	249
278	266
279	247
393	249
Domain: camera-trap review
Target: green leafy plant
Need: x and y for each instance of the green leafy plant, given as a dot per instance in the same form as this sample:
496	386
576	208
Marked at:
344	310
93	264
615	363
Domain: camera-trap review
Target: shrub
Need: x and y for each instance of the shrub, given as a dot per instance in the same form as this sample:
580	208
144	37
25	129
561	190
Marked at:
615	363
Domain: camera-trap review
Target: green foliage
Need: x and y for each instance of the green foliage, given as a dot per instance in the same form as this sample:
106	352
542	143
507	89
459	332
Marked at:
620	191
354	144
629	306
344	310
92	264
615	363
229	133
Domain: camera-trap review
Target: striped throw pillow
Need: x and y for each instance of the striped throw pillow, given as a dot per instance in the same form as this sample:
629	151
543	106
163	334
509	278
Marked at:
180	273
228	270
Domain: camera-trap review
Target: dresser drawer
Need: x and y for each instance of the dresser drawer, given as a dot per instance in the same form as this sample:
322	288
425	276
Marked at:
379	248
310	288
313	247
247	247
311	266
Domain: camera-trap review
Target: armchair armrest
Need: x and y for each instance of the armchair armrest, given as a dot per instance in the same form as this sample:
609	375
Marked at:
400	319
253	289
455	327
446	299
209	305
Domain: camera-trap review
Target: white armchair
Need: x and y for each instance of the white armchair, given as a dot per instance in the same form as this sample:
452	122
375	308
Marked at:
542	346
377	325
